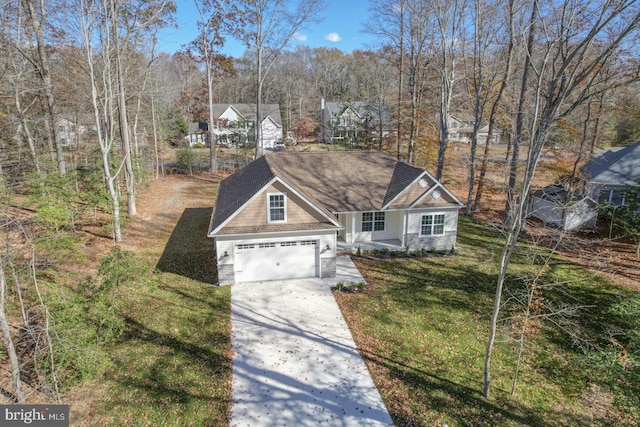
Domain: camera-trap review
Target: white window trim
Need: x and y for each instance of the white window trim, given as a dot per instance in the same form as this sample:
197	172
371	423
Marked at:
373	222
433	214
269	220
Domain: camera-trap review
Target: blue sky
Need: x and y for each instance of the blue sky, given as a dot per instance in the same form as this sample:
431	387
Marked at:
341	28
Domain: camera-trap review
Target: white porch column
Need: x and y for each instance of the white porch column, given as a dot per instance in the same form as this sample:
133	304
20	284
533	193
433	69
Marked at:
353	229
405	222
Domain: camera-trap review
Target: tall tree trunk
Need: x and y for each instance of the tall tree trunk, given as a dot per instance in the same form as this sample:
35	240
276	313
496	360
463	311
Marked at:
213	163
400	78
258	124
513	172
45	75
413	89
154	127
494	109
583	142
25	129
14	363
123	121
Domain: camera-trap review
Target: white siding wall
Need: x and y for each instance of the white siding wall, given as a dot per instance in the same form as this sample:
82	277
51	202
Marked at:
230	114
450	219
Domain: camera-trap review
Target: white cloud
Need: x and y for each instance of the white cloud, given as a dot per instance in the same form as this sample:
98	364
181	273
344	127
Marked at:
300	37
333	37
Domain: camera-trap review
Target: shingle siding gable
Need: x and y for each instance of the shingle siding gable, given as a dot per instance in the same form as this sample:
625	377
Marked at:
238	189
403	176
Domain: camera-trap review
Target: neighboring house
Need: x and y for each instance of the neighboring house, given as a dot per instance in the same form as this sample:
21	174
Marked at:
461	129
352	121
283	215
235	124
606	175
70	133
198	134
554	205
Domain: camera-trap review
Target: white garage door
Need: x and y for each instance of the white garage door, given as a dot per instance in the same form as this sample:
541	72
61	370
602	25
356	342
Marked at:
275	260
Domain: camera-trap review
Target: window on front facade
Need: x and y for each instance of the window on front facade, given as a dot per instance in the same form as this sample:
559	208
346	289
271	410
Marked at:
432	225
277	210
373	221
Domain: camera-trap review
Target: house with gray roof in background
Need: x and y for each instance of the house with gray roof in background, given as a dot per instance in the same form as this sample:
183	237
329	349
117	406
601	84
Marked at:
605	176
353	122
287	215
460	127
235	124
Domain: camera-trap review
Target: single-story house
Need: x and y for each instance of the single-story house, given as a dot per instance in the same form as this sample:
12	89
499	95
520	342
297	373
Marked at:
556	206
284	215
606	175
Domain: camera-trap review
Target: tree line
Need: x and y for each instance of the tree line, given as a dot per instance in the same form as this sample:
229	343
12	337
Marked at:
542	73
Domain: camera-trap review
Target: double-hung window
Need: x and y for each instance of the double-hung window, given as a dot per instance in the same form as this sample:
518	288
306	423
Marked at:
432	225
277	209
373	221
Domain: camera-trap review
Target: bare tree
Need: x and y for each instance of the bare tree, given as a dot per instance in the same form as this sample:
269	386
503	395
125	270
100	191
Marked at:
38	18
488	73
209	40
90	26
128	21
268	27
7	339
450	18
567	60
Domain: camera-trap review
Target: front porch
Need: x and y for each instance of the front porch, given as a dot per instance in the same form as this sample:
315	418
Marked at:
391	244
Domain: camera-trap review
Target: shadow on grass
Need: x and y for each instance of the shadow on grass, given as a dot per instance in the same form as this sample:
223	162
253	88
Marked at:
189	252
450	285
465	404
166	379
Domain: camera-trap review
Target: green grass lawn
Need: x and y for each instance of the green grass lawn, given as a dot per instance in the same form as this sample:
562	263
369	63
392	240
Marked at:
423	325
173	365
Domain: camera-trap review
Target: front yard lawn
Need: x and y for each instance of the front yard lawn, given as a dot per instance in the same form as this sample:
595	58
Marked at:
422	326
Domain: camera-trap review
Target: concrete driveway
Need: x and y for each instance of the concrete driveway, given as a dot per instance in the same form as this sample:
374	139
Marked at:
295	362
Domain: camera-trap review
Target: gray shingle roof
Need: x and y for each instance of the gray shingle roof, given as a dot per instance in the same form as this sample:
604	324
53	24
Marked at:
616	167
361	108
334	181
344	181
238	188
249	111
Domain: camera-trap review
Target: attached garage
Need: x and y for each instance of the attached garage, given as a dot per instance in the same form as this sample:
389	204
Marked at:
276	260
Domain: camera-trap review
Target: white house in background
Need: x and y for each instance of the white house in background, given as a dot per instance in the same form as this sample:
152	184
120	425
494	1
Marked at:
555	206
235	123
283	215
461	129
606	175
